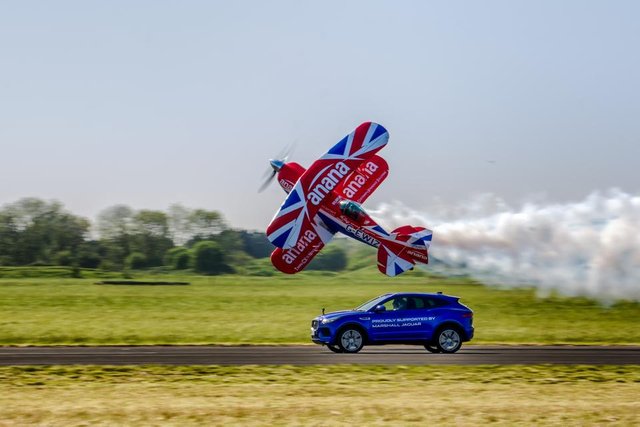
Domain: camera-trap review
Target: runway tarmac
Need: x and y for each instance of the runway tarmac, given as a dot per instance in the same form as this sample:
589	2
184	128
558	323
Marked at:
317	355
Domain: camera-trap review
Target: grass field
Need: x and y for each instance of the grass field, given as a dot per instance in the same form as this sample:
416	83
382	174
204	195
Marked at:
320	395
277	310
252	310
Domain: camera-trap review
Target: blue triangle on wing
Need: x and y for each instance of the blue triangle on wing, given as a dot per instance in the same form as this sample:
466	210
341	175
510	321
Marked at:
334	227
380	230
338	149
398	268
281	239
379	130
291	199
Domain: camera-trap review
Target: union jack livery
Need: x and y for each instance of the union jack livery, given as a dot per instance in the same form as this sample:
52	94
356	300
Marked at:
325	199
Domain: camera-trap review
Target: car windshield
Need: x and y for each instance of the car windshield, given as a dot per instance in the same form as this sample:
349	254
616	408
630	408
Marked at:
370	304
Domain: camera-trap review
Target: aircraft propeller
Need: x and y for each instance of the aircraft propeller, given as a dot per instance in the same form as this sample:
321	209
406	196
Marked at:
276	164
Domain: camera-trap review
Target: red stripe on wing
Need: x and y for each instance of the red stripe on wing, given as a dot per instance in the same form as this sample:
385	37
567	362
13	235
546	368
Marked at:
358	137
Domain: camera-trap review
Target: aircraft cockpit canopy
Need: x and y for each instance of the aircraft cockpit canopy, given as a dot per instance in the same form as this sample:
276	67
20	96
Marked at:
352	210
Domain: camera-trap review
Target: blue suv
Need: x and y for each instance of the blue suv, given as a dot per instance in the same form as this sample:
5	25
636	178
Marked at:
437	321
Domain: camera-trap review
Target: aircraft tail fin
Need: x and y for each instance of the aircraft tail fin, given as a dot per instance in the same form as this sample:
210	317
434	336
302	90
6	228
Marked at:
406	246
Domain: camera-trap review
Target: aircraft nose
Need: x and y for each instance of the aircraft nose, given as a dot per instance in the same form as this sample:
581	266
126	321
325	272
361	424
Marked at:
276	164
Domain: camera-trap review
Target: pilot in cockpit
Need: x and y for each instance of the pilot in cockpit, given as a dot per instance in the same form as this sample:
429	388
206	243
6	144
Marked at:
352	210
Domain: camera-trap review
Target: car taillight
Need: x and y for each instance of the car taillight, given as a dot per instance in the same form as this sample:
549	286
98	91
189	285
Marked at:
467	315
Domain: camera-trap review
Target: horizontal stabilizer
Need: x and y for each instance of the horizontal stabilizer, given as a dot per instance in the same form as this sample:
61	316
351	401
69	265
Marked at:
413	235
391	263
406	246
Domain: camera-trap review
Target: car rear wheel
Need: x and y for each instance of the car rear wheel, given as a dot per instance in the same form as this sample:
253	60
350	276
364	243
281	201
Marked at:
449	340
334	348
350	340
432	348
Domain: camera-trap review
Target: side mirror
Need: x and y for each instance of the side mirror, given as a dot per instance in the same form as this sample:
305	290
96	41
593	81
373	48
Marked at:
379	308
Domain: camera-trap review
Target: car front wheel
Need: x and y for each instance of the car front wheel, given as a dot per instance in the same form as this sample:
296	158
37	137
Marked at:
350	340
449	340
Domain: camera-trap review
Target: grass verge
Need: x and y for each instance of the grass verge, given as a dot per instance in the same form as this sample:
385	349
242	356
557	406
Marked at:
278	310
320	395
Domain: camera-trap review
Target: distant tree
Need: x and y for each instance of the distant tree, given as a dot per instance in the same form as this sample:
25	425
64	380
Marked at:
115	227
180	227
230	240
256	244
8	237
124	231
208	258
205	225
135	261
35	231
107	265
115	222
150	236
64	258
38	232
177	258
90	254
331	258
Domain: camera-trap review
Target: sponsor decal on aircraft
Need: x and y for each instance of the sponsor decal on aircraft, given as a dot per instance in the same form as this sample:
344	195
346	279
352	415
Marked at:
328	183
361	235
303	242
359	179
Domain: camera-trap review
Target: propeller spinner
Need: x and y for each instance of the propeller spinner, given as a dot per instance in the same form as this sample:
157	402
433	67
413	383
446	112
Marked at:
276	165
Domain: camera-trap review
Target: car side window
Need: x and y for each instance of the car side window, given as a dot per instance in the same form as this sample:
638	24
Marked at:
396	304
431	302
412	303
389	304
417	303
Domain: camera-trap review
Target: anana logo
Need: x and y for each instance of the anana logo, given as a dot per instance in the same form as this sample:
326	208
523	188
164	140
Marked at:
286	185
292	254
328	183
358	180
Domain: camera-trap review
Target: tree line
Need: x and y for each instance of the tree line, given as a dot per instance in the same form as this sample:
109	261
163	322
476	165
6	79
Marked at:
37	232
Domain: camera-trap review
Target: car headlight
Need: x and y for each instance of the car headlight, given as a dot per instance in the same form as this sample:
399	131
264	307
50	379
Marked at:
325	320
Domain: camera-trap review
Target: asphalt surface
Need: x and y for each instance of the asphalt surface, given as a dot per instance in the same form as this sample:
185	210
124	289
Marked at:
317	355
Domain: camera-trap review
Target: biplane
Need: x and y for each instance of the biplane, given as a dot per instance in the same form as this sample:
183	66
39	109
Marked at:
326	199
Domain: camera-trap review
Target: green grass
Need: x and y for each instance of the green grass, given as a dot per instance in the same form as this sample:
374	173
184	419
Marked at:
49	272
277	310
320	395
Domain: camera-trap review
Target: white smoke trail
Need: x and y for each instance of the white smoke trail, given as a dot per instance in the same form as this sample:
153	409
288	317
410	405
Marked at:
590	248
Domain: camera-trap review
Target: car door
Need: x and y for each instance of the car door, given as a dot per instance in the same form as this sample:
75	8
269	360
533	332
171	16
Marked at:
412	319
429	312
385	325
395	323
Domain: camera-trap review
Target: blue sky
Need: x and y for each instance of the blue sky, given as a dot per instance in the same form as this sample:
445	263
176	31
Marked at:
150	103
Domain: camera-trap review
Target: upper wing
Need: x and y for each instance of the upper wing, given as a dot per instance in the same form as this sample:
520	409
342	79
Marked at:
325	174
295	259
362	182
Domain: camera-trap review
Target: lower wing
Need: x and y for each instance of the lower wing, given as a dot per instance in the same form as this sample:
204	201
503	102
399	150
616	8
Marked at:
295	259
